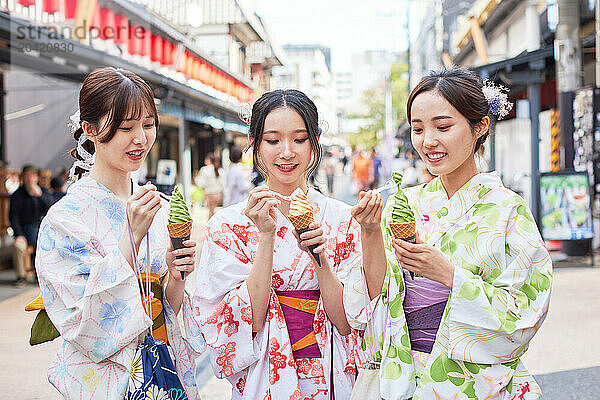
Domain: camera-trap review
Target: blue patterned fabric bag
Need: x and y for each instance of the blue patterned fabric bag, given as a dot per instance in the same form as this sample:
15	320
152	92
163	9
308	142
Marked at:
153	375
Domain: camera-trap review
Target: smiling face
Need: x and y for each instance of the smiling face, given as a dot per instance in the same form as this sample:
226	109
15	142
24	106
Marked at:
285	150
443	137
126	150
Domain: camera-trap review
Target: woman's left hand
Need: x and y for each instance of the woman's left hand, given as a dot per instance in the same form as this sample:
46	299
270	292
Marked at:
425	260
185	264
313	236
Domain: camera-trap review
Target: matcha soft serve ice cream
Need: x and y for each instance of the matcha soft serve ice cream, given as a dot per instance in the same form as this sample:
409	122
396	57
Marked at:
402	223
180	222
178	210
401	211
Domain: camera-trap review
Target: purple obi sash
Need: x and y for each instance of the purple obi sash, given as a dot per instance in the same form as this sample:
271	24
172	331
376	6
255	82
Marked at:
299	307
424	304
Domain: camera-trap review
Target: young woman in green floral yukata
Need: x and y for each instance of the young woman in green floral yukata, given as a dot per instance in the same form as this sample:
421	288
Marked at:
481	290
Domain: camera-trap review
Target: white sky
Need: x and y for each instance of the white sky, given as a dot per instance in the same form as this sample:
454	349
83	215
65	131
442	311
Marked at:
346	26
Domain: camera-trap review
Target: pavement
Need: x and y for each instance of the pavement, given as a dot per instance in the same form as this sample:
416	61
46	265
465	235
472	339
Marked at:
564	356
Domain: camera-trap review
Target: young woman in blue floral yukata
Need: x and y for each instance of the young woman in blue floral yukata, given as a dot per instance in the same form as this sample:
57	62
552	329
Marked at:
84	258
458	329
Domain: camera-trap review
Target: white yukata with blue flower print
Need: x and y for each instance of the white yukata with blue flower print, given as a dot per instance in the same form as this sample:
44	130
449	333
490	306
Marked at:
92	296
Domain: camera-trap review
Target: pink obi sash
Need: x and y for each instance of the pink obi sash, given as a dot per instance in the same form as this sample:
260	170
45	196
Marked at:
299	307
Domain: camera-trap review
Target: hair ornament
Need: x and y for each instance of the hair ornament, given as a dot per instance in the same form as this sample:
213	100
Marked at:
323	127
75	121
245	113
87	160
497	98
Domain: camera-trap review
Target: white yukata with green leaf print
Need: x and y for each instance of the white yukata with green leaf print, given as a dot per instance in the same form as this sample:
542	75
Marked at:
498	300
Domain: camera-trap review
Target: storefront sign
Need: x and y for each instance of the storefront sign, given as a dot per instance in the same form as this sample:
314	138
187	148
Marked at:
565	206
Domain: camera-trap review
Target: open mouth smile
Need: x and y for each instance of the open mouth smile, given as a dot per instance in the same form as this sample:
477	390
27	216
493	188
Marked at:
286	167
435	157
135	155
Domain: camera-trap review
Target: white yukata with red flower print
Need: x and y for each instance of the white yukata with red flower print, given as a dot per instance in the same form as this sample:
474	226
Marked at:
262	366
92	296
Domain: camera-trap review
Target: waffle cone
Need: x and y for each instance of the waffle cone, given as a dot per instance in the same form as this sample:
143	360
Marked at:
180	230
404	230
301	221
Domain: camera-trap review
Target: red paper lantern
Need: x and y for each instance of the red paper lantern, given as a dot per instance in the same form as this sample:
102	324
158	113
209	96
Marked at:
204	71
168	53
70	8
214	77
189	64
196	69
96	19
157	48
121	29
229	86
222	81
181	61
26	3
174	50
107	24
145	42
134	41
51	6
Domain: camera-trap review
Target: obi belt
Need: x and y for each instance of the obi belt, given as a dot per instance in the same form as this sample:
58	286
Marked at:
424	305
43	329
159	329
299	307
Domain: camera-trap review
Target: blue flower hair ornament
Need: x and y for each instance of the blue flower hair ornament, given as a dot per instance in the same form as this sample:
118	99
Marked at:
497	98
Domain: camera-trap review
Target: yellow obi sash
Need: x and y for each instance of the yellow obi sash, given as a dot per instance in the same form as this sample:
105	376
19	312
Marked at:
159	329
43	330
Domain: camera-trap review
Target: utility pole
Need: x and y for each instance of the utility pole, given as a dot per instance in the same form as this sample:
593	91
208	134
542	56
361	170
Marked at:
597	43
567	52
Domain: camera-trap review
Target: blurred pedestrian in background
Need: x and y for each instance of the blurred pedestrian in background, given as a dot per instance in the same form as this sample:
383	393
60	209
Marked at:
238	184
28	205
330	165
376	166
12	181
210	179
57	185
362	168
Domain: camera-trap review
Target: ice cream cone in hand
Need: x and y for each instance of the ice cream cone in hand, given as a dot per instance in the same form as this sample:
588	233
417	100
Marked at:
180	222
402	222
404	231
301	216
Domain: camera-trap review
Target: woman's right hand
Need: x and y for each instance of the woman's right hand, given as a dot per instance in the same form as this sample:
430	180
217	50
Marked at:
141	207
261	209
368	210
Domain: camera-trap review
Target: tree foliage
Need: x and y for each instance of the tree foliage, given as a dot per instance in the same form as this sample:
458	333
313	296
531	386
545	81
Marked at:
374	105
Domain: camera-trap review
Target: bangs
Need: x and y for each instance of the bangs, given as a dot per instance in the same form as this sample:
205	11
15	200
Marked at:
131	102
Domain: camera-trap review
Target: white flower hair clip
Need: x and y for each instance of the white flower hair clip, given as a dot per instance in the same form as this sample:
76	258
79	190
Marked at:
497	98
75	121
245	113
323	126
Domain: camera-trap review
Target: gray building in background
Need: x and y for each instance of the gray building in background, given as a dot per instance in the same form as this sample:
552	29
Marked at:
35	127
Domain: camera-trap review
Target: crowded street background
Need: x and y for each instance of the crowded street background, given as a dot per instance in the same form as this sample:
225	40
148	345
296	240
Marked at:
208	61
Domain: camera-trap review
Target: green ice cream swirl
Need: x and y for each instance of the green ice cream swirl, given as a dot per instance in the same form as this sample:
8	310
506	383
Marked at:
178	210
401	211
